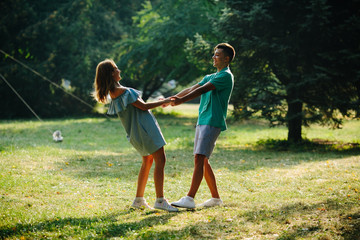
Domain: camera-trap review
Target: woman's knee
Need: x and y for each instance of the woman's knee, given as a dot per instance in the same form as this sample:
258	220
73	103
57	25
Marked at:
148	160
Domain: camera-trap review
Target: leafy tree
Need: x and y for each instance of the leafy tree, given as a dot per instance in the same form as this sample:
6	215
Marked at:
61	39
297	61
155	53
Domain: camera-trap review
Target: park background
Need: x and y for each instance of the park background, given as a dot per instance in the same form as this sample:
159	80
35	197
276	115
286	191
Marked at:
288	166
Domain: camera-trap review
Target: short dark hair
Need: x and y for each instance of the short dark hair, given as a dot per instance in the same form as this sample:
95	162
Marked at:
228	49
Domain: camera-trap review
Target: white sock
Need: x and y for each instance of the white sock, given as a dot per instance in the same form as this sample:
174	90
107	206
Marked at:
160	199
216	199
139	199
190	198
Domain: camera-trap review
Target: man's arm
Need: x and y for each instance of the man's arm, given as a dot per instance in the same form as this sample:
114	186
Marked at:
186	91
191	93
183	93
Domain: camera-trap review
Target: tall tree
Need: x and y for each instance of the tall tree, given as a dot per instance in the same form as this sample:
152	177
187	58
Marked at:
155	53
297	62
63	40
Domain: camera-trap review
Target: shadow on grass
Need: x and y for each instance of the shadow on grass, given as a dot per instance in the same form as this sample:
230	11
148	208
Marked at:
353	231
101	227
122	229
293	217
302	222
315	145
200	230
345	230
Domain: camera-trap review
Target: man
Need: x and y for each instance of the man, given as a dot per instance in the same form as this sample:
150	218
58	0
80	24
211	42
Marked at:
215	91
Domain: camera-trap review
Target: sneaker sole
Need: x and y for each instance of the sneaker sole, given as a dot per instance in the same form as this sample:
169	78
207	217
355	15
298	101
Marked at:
175	205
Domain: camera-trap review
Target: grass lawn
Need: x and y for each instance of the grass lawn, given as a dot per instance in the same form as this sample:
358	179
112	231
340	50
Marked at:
82	188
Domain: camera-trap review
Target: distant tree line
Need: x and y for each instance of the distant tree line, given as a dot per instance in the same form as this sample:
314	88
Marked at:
297	62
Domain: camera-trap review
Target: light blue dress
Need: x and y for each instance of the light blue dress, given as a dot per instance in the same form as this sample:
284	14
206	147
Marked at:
143	131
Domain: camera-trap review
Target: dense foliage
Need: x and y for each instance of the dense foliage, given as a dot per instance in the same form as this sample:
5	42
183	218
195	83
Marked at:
296	63
156	52
63	40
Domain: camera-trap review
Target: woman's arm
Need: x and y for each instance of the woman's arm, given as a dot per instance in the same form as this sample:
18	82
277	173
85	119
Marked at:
146	106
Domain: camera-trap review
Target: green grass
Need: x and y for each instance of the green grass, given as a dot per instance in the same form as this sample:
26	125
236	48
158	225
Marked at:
82	188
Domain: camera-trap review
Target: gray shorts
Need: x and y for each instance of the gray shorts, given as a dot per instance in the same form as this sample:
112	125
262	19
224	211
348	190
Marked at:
205	139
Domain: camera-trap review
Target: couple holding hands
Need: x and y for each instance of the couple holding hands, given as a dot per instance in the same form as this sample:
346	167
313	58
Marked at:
144	134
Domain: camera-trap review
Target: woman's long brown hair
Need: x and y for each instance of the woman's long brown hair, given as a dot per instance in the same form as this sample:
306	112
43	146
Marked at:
104	81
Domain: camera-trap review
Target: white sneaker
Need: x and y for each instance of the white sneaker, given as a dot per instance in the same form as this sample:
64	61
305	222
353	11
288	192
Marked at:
212	202
141	204
185	202
164	205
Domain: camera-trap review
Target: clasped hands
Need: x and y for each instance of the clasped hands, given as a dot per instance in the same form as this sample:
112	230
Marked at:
173	101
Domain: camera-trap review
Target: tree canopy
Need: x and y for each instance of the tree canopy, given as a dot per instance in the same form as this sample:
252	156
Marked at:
156	52
297	61
63	40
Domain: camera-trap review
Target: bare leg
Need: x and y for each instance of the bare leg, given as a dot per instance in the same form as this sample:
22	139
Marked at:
210	179
160	159
197	174
143	175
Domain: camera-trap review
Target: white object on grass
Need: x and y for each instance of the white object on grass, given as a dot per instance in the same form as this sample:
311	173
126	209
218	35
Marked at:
57	136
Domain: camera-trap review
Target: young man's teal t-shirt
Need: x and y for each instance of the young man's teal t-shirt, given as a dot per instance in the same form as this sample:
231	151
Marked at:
214	103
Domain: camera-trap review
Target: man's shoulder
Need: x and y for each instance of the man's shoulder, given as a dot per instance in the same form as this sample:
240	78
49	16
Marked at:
210	75
225	72
224	76
228	71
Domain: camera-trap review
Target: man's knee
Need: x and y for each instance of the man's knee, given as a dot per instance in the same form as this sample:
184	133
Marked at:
200	156
199	159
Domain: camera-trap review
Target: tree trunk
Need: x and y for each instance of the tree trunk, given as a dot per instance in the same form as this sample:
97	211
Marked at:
294	117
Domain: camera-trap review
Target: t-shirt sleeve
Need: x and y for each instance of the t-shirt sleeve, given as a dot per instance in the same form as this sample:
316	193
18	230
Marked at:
221	81
204	80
